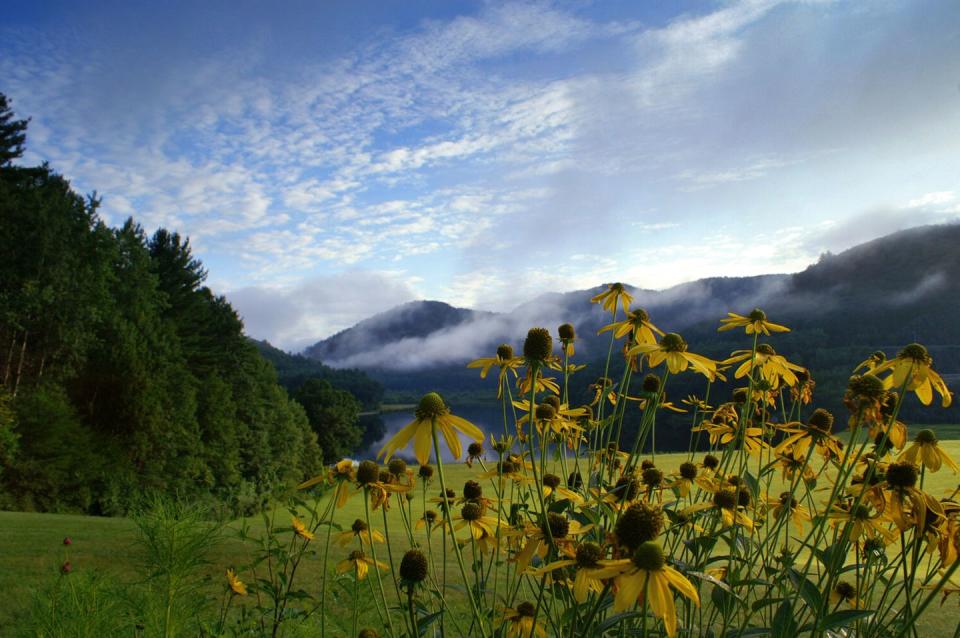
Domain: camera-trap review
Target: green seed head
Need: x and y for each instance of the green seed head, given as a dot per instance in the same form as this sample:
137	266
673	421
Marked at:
397	467
652	477
470	512
711	462
787	500
926	437
651	383
425	471
866	386
358	526
474	449
368	472
649	556
672	342
526	609
725	499
626	488
545	412
566	332
413	566
766	348
504	352
431	406
559	526
821	420
553	400
551	480
757	315
538	345
472	490
688	471
916	353
901	475
506	467
638	524
588	555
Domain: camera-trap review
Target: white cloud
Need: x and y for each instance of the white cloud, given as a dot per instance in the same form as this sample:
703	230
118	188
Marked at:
293	317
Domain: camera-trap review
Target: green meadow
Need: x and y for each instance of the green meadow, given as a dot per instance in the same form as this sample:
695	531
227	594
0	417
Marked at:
32	552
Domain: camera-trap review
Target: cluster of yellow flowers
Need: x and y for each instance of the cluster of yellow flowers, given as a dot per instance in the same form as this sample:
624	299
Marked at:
779	523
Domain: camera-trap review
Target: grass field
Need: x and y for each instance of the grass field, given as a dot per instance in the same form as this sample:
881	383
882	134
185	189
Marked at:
31	548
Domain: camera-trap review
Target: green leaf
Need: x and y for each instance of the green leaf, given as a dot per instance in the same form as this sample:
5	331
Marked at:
844	618
808	591
616	619
784	624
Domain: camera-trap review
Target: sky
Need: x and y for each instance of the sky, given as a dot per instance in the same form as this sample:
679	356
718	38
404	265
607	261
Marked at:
329	160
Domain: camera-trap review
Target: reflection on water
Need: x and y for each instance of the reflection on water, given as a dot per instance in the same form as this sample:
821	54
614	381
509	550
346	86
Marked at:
488	418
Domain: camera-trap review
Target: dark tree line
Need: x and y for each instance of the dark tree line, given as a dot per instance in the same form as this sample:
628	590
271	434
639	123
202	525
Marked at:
122	373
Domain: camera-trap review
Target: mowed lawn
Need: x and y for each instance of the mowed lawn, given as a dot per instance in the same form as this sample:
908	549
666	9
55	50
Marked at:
31	548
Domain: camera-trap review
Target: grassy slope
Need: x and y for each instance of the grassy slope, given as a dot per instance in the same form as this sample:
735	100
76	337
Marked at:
31	546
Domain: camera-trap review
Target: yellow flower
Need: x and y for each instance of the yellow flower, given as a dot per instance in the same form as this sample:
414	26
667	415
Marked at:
504	359
872	362
359	530
673	349
552	484
755	322
431	408
482	528
648	575
817	432
431	520
236	585
342	474
931	454
912	367
949	587
591	570
603	385
865	522
521	621
637	324
724	433
551	415
543	384
359	562
787	505
301	529
613	294
561	530
774	368
726	501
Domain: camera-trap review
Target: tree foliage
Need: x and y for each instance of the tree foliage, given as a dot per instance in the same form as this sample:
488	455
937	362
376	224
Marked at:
121	373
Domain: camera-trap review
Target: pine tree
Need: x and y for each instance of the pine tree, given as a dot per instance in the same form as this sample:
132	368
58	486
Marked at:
12	133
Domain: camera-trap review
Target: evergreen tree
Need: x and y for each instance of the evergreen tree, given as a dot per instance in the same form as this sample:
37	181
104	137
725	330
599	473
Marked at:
13	133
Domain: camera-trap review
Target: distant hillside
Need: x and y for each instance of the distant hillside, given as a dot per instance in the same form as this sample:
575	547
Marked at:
413	320
294	369
879	295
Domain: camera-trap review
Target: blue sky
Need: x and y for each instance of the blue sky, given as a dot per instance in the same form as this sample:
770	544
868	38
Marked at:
330	160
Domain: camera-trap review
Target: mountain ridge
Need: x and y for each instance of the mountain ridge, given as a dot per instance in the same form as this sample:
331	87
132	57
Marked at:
905	279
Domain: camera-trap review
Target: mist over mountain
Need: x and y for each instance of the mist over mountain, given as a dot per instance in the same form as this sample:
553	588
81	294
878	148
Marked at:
896	289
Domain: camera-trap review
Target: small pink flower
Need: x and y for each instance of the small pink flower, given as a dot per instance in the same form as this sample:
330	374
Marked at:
67	541
66	568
